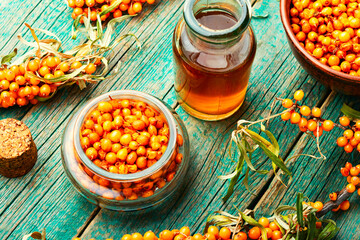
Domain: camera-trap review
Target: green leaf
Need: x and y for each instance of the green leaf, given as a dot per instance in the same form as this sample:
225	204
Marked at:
75	27
246	180
235	178
329	231
111	7
273	157
311	227
9	57
275	148
350	112
44	99
299	209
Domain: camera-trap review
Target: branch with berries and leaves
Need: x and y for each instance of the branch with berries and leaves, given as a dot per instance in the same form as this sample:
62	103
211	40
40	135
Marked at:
247	137
39	73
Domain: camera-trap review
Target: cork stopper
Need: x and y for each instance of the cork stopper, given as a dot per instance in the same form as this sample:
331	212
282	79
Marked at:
18	153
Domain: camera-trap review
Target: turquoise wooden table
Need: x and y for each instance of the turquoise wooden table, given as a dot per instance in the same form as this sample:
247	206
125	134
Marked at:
44	198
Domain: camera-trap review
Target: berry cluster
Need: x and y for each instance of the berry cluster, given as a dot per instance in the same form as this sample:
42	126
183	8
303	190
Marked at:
329	30
314	124
82	7
352	174
212	233
351	136
26	83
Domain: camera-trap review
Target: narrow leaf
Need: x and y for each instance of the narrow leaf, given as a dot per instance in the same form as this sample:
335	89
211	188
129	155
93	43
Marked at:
9	57
311	227
114	5
350	112
299	209
273	157
329	231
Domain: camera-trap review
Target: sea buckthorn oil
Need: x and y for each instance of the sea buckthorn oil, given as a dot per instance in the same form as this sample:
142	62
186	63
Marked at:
213	54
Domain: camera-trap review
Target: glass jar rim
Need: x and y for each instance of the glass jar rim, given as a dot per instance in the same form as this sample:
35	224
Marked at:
126	94
236	30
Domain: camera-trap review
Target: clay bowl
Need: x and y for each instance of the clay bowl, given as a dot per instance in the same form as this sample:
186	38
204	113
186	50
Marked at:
338	81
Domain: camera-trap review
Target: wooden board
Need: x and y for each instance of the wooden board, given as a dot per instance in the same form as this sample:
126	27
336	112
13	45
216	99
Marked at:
45	198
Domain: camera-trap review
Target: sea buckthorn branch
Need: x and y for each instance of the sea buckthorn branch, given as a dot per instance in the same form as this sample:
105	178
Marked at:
105	8
41	72
338	200
247	141
300	222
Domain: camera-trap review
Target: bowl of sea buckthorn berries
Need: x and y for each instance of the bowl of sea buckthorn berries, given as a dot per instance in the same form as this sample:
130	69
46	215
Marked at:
324	37
126	150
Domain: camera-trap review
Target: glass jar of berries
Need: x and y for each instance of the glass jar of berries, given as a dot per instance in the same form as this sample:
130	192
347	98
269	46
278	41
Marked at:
126	150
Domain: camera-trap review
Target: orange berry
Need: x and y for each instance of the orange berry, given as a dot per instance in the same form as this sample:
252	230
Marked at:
328	125
357	135
318	205
185	231
137	236
254	233
90	68
299	95
264	222
350	188
295	118
305	111
150	235
33	66
354	171
167	235
240	236
45	90
44	70
348	133
117	13
208	236
312	125
303	123
123	7
287	103
355	181
273	226
345	205
79	3
348	148
316	112
344	121
333	196
342	141
76	65
224	233
276	235
90	3
213	230
137	7
286	116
